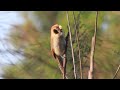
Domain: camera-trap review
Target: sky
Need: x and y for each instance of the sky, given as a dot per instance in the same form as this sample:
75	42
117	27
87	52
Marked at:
7	18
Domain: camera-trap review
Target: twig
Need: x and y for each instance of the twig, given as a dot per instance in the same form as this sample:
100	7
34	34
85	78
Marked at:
90	73
81	74
116	72
65	57
71	44
62	67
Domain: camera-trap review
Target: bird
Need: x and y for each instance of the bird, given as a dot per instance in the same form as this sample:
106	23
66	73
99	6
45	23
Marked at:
58	42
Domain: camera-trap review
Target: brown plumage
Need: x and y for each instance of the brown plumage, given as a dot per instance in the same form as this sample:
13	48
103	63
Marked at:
58	42
59	47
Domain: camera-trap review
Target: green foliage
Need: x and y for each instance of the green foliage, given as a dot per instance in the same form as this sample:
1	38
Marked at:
39	63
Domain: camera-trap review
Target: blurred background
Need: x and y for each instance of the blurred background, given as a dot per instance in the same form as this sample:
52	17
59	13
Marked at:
25	44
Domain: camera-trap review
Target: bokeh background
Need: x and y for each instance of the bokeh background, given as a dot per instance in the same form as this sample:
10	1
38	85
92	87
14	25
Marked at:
25	44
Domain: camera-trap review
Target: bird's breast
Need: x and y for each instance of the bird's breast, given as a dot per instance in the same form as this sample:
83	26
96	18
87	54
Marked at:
59	45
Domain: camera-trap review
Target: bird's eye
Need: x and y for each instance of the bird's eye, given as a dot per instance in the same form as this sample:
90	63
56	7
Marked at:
55	31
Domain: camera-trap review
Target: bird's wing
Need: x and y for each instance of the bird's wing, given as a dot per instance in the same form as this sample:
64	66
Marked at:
52	50
53	53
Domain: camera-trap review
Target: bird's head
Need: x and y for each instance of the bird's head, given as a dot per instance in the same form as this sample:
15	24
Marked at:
56	29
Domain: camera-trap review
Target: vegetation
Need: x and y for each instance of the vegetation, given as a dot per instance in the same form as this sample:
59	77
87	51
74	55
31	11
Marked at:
34	44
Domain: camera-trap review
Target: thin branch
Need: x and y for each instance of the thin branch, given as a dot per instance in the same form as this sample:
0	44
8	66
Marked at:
62	67
65	57
90	73
75	75
116	72
81	74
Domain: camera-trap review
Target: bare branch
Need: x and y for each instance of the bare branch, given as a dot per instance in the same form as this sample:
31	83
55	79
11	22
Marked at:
90	73
75	75
77	38
62	66
116	72
65	57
